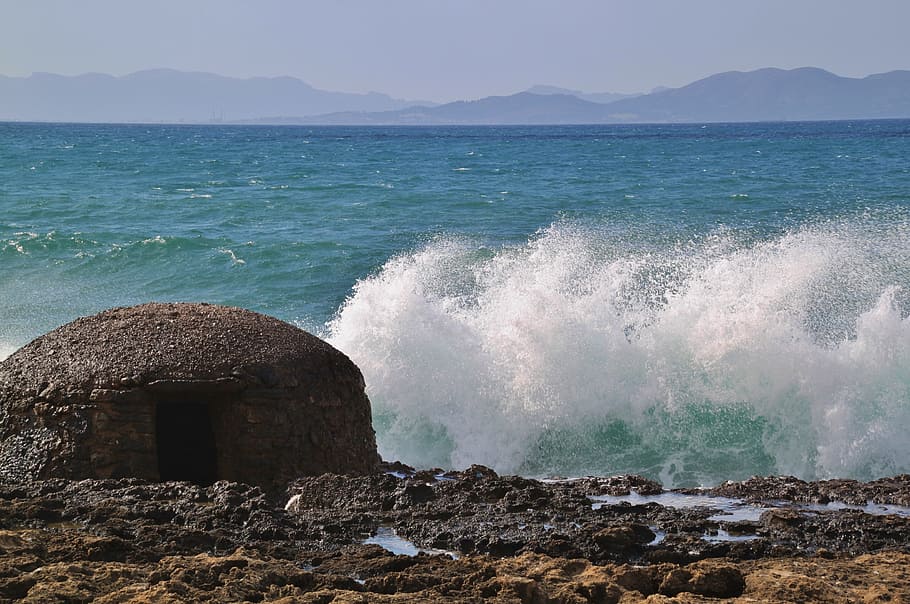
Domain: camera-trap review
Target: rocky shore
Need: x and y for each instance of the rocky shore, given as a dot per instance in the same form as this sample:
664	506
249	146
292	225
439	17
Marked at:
482	537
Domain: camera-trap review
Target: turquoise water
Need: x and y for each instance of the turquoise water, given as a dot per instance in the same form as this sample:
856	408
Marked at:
694	303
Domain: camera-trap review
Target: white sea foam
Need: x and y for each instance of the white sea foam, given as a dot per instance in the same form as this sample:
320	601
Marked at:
19	241
234	259
699	361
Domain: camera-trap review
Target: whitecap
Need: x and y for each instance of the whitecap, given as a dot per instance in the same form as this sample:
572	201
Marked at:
793	349
6	350
234	259
20	238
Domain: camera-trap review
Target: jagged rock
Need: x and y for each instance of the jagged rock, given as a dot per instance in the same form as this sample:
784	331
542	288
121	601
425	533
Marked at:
130	540
622	539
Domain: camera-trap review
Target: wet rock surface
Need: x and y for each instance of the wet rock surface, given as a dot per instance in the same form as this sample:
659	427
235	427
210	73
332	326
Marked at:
485	538
892	490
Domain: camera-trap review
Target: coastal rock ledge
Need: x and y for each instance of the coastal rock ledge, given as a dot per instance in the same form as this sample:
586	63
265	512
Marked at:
182	391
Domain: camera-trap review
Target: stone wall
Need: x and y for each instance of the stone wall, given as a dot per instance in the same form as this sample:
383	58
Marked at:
258	433
120	441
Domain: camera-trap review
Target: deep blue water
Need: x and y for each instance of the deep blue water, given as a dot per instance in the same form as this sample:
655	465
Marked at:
693	302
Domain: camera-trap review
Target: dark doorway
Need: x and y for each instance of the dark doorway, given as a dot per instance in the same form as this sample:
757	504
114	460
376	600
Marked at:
186	443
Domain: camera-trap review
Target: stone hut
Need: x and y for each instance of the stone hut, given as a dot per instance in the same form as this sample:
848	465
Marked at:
182	392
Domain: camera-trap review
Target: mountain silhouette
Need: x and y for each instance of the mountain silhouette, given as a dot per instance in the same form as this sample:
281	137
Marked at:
763	95
164	95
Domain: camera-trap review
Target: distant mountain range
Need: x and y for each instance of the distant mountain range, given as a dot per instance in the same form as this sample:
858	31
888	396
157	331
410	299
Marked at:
521	108
763	95
807	93
166	95
171	96
594	97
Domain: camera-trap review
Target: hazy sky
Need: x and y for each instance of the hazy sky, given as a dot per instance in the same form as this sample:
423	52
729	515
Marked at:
445	50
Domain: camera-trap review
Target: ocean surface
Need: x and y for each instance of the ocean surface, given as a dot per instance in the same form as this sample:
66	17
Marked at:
692	302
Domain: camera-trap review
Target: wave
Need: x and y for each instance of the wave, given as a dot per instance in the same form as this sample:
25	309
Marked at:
597	350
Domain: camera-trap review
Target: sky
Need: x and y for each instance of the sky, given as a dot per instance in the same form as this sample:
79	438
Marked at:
441	50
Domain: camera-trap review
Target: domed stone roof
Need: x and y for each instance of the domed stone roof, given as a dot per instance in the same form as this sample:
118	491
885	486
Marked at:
181	341
264	387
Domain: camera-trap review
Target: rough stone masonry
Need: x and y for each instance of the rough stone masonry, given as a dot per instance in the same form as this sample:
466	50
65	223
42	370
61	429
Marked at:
182	391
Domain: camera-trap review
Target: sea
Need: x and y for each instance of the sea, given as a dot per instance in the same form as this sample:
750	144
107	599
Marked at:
694	303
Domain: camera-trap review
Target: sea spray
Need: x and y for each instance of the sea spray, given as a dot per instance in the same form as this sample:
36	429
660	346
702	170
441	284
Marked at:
6	350
590	351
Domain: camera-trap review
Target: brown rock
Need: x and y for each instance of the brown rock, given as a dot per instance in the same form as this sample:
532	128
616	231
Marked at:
637	579
619	539
675	581
722	581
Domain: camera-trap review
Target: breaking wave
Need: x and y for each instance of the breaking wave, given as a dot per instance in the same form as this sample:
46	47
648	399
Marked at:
6	350
596	350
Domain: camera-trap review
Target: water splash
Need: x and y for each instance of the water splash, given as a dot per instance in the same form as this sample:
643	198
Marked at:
588	350
6	350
